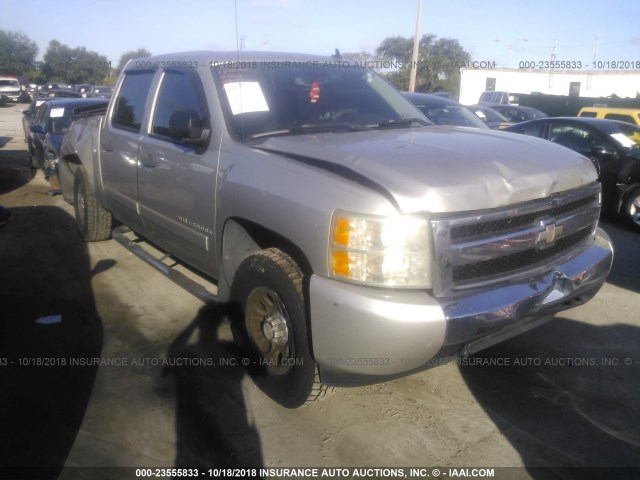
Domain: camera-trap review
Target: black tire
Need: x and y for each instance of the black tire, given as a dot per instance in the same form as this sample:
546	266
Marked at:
268	286
33	159
94	222
631	209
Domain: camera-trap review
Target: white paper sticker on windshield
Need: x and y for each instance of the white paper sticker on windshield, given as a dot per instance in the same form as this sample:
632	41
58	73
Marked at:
39	102
245	97
57	112
623	139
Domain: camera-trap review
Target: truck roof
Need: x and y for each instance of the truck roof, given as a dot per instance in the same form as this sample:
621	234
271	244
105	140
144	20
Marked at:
206	57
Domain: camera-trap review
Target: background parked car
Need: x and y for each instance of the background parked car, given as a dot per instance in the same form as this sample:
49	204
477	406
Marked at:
493	119
630	115
29	114
443	111
14	89
52	121
46	89
35	90
62	93
518	113
100	91
497	97
81	89
613	146
10	88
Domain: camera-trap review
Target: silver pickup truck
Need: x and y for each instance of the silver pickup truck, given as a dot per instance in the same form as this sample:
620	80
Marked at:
361	241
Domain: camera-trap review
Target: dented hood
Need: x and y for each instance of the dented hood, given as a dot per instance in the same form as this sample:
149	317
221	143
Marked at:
445	169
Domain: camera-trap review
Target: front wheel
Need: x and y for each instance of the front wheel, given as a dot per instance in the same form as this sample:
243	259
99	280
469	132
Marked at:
631	209
94	221
268	286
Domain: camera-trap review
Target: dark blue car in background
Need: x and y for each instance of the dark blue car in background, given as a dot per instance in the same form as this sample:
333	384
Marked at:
52	120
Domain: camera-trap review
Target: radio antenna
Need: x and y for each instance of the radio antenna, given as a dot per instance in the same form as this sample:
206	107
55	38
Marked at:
235	8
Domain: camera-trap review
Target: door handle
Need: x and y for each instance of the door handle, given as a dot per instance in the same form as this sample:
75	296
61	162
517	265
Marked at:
107	146
148	161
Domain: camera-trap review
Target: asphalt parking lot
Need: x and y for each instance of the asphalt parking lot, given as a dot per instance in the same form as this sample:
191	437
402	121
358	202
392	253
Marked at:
564	395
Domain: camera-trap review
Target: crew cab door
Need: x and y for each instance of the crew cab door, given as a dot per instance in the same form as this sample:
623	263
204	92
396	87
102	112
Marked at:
177	174
120	143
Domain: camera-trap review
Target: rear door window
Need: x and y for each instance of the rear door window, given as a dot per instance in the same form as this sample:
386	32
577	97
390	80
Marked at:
130	105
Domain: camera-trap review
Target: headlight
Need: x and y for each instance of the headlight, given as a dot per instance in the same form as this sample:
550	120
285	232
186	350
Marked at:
381	251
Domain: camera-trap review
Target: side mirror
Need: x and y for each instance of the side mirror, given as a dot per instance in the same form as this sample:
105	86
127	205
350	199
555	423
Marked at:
38	129
197	137
26	112
185	126
604	152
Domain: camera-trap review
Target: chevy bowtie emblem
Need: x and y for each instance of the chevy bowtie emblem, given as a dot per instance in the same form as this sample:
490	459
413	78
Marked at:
550	233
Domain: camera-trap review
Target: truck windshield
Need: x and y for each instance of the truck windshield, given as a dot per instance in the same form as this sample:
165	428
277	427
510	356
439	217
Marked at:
286	98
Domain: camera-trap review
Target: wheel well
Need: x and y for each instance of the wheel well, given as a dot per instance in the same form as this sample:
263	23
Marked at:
266	238
625	196
73	159
240	238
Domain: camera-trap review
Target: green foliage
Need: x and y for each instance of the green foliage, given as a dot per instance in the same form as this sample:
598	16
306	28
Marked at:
358	57
17	53
140	53
438	66
75	65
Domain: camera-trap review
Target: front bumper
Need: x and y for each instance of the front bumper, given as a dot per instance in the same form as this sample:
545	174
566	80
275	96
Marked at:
12	96
363	335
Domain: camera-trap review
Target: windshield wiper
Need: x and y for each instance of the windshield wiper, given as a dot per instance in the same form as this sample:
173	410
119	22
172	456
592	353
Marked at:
273	133
316	127
328	127
405	122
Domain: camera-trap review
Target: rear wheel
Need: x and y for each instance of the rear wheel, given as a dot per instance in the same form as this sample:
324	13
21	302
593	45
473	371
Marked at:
631	209
268	285
33	160
94	221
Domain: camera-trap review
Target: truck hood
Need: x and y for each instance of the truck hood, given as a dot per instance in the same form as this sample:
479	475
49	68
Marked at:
9	89
445	169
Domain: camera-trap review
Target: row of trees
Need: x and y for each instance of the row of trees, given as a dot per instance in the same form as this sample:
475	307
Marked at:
60	63
438	66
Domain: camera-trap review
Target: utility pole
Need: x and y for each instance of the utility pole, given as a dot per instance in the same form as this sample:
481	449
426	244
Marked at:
416	46
596	44
242	43
554	55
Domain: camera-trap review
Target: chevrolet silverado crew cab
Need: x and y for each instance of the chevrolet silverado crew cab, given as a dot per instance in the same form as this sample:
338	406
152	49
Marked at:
361	242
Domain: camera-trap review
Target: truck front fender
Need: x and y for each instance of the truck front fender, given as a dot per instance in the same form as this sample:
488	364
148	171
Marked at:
237	244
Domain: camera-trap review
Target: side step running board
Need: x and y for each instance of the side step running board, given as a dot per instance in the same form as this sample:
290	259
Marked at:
127	238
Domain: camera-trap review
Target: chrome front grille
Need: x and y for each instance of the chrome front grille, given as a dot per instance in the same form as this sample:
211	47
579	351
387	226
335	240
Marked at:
475	249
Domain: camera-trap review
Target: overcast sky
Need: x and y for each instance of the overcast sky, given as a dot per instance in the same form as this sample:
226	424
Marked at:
490	30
